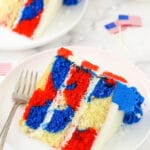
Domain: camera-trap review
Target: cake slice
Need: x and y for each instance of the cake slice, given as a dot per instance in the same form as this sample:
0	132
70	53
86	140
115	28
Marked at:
30	17
75	108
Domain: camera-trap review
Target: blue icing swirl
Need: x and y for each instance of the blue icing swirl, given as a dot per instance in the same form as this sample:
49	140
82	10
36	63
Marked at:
71	2
133	116
130	117
32	10
60	120
37	115
102	89
60	70
129	101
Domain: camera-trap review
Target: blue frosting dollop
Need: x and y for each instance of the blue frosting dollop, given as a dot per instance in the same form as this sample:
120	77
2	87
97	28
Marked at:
129	101
70	2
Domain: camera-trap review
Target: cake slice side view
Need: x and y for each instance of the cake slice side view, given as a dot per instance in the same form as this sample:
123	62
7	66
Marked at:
73	107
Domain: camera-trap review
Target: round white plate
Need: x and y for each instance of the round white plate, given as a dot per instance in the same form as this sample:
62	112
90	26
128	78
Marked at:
65	20
128	138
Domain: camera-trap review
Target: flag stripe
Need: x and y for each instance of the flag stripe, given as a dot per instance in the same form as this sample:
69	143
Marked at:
5	68
126	20
112	27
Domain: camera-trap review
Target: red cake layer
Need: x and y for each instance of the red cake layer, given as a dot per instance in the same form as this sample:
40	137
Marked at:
80	79
81	140
27	27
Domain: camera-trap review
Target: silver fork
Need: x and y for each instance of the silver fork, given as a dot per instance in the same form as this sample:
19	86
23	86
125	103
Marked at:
23	91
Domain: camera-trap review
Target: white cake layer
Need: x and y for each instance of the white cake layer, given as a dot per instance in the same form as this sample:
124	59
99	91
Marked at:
50	11
112	124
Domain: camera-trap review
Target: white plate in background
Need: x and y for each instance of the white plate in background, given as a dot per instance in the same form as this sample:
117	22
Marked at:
128	138
65	20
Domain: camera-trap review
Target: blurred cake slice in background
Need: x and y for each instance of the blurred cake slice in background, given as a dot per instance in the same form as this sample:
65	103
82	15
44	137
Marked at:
30	17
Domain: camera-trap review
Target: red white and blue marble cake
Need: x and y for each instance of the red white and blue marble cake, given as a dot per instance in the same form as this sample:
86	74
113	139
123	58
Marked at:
30	17
75	108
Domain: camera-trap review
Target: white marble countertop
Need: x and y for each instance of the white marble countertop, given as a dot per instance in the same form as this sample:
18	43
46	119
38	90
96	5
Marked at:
90	32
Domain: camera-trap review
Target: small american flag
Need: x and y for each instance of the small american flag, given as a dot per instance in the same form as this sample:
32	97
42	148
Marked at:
112	27
5	68
125	20
115	27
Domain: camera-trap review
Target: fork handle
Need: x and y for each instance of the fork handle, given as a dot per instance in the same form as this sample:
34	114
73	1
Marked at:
7	124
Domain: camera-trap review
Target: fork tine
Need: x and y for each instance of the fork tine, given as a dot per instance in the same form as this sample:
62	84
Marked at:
25	81
26	84
34	81
17	87
30	81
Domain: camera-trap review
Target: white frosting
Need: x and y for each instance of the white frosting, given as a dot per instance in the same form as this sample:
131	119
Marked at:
50	10
112	124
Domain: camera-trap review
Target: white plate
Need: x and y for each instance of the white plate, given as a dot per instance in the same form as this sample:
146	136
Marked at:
129	137
66	19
